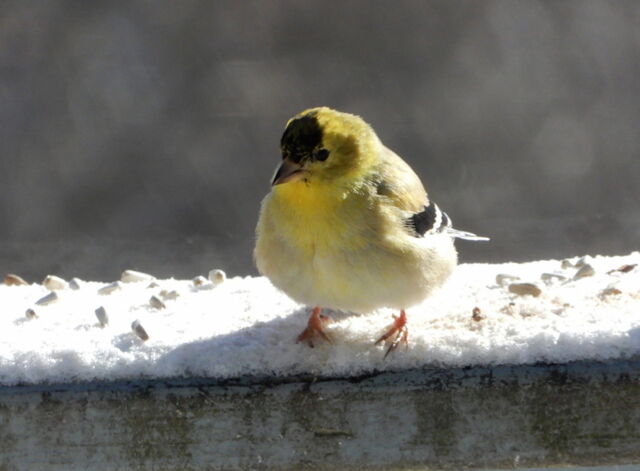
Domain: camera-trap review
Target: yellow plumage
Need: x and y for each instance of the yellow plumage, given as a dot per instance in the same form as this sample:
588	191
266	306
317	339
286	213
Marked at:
341	225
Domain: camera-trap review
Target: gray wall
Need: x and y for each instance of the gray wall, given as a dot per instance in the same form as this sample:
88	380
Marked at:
143	134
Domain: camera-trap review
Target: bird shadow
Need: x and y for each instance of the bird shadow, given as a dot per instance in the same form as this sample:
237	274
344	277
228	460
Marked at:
266	348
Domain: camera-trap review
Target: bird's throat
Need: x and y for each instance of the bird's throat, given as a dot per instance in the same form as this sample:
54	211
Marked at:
314	213
309	197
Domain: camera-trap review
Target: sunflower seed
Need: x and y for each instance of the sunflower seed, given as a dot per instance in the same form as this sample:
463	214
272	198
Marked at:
53	282
523	289
48	299
139	330
566	264
608	292
74	283
585	270
549	277
623	269
502	278
582	261
156	302
199	280
169	295
131	276
217	277
14	280
110	288
101	314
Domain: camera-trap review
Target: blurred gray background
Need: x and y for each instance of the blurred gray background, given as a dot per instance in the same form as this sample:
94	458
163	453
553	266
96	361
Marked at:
143	134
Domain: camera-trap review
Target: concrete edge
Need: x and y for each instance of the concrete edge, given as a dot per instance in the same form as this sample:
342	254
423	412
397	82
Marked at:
428	378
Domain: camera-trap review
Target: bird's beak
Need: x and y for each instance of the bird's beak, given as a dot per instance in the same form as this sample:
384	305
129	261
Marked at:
288	171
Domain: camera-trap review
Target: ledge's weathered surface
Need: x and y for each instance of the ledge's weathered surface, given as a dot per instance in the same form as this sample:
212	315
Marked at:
583	413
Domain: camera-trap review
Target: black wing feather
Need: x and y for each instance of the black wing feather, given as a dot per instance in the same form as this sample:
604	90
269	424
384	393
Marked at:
428	221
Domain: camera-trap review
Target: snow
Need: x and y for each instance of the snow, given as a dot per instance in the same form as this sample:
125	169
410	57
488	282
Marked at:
244	326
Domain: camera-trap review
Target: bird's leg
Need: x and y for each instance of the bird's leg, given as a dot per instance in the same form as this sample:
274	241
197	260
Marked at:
398	331
314	328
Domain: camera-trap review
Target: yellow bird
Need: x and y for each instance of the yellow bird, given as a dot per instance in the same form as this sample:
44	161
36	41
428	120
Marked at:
348	225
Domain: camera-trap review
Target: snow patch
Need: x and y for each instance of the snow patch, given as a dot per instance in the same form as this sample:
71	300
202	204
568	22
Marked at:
244	326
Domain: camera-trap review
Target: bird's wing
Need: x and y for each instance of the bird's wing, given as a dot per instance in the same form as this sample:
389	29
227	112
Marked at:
399	184
432	220
403	190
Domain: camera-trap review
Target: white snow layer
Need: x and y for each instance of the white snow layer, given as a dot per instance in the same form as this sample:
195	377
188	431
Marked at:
244	326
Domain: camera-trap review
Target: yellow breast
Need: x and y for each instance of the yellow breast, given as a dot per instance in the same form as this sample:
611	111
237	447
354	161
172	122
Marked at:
316	217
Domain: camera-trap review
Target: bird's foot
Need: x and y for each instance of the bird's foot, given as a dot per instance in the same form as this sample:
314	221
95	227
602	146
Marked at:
398	333
315	328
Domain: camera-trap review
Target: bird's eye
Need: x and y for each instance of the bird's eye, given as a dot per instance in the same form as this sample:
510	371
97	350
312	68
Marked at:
320	154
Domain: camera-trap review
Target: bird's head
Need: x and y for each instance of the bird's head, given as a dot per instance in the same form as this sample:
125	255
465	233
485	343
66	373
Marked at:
324	145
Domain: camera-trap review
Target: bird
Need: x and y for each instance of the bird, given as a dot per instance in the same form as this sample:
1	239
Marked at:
347	225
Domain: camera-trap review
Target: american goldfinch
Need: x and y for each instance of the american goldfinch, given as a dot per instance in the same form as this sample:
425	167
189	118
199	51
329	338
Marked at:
348	225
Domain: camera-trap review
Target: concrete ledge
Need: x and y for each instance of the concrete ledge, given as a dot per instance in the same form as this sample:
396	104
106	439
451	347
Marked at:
583	413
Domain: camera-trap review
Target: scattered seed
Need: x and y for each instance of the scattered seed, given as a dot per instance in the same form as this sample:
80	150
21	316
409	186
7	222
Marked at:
169	295
199	280
101	314
549	277
156	302
523	289
132	276
502	278
139	330
31	314
585	270
153	284
14	280
623	269
48	299
582	261
609	292
74	283
217	277
566	264
53	282
110	288
476	314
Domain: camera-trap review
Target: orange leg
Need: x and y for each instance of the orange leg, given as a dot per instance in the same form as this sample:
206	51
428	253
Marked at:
314	328
398	331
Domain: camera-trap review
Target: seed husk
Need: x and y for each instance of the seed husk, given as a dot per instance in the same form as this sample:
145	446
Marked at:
101	314
53	282
11	279
48	299
217	277
110	288
132	276
137	329
156	302
585	270
523	289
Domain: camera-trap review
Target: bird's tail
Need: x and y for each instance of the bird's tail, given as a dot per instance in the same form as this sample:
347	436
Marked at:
448	229
465	235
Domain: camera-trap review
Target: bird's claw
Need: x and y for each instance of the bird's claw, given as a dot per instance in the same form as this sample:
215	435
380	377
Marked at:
398	331
314	328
